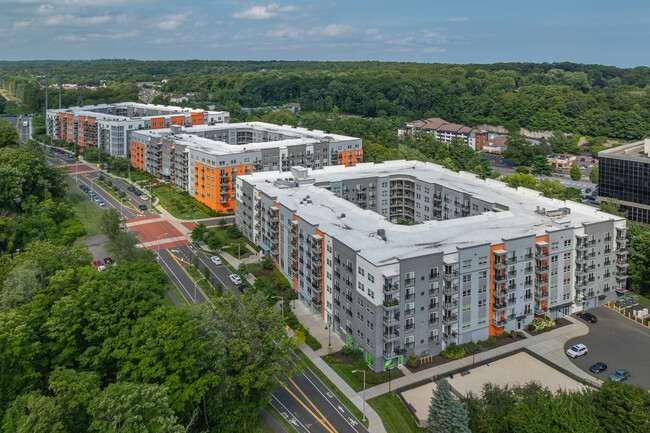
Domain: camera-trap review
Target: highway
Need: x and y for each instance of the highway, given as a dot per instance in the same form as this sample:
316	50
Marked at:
304	401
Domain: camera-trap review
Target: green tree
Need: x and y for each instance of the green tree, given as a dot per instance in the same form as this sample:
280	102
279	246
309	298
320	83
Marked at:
21	284
612	206
561	143
623	408
198	232
242	269
133	407
575	172
111	223
541	166
593	176
267	262
639	257
8	134
446	414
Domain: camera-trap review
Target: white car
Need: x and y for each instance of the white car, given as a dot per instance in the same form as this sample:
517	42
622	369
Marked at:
235	279
101	268
216	260
577	350
144	197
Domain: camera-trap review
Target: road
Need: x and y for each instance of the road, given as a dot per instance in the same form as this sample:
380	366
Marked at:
24	132
303	401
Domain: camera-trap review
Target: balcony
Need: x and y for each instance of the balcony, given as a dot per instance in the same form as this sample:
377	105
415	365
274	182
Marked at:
433	338
447	276
499	306
528	296
500	278
390	287
450	305
528	256
499	293
541	283
500	323
348	312
409	327
511	288
500	265
448	320
390	320
390	336
450	338
409	312
409	281
541	269
391	303
450	289
541	296
581	246
433	321
337	302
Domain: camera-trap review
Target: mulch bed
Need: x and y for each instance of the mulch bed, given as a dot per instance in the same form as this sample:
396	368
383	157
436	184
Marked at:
439	360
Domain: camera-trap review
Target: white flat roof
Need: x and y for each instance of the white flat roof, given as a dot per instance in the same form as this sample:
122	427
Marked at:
359	227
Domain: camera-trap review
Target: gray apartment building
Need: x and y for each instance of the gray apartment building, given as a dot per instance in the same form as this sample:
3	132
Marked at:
408	257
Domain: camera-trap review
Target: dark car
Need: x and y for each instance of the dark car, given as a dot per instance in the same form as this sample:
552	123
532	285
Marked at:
588	190
619	375
598	367
241	287
142	207
138	193
108	260
587	317
582	160
130	188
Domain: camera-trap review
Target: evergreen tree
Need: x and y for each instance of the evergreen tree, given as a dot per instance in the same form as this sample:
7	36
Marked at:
575	172
446	414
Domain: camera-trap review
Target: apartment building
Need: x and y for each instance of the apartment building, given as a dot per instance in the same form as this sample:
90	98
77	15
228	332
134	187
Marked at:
446	131
624	174
205	160
109	126
469	258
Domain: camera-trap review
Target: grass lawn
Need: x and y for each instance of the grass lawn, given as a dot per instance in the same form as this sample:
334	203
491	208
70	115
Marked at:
330	385
643	301
394	415
345	371
197	276
179	204
356	380
109	189
262	426
12	108
91	218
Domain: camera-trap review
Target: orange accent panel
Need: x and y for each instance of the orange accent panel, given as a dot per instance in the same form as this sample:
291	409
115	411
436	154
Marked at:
196	118
158	123
178	120
215	203
350	158
493	329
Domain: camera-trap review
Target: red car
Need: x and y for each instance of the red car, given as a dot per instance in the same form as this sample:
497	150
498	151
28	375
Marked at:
108	261
98	264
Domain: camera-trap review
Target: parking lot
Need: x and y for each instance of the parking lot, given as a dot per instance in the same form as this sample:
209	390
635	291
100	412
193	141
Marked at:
619	343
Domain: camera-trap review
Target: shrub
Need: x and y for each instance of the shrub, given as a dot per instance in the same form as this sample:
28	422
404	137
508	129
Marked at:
355	355
413	361
346	350
453	351
541	324
330	360
311	341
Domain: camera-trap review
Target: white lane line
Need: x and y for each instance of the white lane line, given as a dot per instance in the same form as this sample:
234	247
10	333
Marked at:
295	419
180	289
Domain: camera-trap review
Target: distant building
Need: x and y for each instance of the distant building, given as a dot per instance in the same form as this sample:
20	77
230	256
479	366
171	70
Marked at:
624	174
446	131
496	145
561	160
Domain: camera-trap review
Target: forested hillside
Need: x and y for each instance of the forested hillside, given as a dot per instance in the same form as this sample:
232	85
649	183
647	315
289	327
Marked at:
591	100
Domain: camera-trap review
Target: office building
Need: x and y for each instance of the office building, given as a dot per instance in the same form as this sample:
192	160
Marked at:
624	174
446	131
408	257
205	160
109	126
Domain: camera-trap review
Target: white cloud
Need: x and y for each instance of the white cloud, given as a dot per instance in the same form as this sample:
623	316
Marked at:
434	50
76	21
97	36
283	32
44	9
263	12
22	24
170	22
456	20
336	29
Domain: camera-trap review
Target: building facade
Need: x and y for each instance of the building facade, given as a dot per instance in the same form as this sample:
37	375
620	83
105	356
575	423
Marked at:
205	160
446	131
109	126
624	174
483	258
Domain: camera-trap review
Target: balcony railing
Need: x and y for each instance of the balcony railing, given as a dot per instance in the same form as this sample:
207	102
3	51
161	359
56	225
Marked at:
450	275
498	306
390	321
448	320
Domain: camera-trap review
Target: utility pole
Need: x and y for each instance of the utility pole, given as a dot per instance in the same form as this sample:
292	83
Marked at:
59	93
46	94
18	95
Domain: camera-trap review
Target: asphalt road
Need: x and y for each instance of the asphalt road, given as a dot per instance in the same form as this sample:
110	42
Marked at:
619	343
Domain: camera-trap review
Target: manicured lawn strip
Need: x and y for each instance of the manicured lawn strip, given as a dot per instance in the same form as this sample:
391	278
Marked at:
91	219
330	385
345	371
196	276
394	415
643	301
177	292
109	189
178	204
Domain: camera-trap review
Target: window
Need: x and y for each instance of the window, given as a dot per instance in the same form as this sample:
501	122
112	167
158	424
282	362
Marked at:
482	274
482	260
409	341
371	294
482	303
467	307
467	264
467	278
409	308
433	288
554	245
371	278
409	278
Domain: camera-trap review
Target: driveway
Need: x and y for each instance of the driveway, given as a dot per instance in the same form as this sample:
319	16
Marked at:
619	343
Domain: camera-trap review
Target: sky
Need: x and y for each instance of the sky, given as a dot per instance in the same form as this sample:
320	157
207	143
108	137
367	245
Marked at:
431	31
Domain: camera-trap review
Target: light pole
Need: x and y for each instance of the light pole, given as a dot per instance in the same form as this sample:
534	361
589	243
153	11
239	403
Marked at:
196	284
158	249
280	297
364	392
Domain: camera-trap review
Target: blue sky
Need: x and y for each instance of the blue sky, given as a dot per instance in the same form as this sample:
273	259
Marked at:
451	31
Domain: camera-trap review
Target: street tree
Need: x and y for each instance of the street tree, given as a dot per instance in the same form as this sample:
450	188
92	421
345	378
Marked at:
593	176
446	414
575	172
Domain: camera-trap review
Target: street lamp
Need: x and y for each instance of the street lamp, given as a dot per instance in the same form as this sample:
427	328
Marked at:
364	392
280	297
158	249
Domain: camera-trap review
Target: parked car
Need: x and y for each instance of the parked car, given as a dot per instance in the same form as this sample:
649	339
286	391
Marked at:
130	188
582	160
216	260
588	190
144	197
587	317
108	261
99	266
142	207
101	203
577	350
619	375
598	367
241	287
138	193
235	279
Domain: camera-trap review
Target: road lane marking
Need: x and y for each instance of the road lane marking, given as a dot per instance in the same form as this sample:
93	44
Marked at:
310	402
326	426
294	418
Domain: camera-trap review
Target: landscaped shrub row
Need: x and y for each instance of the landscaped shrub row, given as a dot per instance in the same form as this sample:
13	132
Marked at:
293	322
541	324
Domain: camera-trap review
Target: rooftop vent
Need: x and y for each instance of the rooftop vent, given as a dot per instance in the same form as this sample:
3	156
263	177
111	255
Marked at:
558	212
382	234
